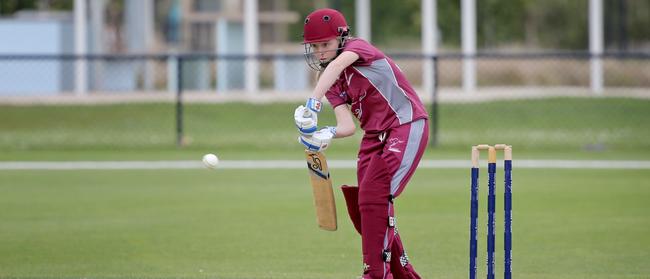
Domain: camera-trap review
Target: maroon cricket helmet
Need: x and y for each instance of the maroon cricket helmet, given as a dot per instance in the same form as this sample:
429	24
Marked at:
324	24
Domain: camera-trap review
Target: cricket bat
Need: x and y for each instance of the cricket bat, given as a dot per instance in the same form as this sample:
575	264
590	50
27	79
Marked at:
321	184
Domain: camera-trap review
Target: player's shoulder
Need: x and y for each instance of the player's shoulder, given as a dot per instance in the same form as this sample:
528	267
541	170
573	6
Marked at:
357	43
366	51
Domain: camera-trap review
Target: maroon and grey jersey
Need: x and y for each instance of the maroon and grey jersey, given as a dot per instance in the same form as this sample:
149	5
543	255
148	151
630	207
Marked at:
376	90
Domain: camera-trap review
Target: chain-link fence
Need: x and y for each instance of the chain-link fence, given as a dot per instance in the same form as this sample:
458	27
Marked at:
224	74
510	104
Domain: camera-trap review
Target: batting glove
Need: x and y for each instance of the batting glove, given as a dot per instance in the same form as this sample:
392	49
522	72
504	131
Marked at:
306	121
319	141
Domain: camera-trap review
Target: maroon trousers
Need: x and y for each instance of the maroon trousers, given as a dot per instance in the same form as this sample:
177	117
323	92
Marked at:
386	163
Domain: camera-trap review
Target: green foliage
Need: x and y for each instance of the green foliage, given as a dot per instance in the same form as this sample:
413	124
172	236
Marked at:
558	23
303	8
549	24
638	21
495	18
384	18
8	7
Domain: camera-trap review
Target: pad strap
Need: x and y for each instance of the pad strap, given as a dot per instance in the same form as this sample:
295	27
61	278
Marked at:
314	105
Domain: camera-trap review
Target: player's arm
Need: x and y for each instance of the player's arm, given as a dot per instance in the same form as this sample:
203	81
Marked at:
305	119
344	123
332	73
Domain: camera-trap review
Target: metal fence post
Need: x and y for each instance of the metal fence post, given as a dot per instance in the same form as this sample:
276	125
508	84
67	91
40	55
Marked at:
596	45
179	101
433	141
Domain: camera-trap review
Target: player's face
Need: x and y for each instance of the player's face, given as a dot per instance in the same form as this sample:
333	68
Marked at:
326	50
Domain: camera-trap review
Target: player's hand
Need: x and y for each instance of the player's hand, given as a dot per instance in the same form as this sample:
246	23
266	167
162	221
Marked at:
319	141
306	120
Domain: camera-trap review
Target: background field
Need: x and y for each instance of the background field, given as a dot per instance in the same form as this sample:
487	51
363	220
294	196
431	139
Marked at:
572	223
569	128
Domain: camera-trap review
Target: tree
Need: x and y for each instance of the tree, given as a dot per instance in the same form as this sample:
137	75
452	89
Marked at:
9	7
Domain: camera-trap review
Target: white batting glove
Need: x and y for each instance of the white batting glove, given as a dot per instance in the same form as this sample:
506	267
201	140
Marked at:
319	141
306	120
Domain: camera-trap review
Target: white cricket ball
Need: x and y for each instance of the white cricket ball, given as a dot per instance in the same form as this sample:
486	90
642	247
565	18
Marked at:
210	161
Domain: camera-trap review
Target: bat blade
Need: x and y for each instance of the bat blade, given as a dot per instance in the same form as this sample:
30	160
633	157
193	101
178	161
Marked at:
322	187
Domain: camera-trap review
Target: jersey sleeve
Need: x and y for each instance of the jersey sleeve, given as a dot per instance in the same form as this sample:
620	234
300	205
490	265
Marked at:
337	95
366	52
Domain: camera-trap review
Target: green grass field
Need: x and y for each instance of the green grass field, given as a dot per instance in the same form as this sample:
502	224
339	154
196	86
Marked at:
242	224
568	223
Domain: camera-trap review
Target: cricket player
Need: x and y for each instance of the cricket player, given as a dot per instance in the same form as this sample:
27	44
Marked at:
360	81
